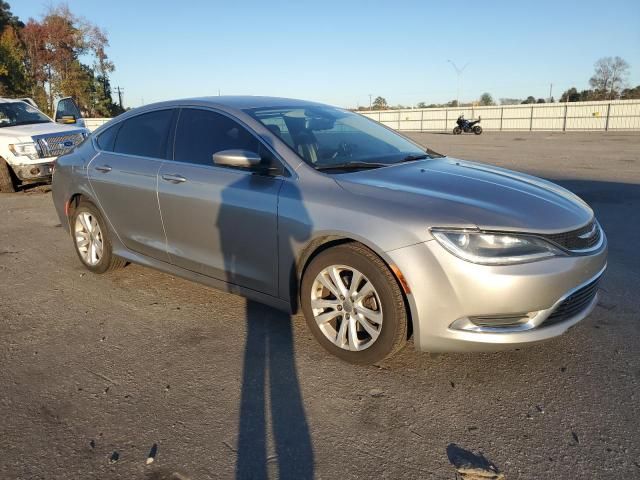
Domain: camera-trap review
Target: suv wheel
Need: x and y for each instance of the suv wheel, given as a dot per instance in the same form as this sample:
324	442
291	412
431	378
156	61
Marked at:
353	305
7	184
91	239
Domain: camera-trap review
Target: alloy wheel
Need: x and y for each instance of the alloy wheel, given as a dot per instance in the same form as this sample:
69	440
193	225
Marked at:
346	307
88	236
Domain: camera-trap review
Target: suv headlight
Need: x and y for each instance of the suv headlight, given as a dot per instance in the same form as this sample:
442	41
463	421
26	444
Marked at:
490	248
29	149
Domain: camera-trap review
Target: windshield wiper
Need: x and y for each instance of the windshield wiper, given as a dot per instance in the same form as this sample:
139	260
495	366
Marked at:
419	156
351	166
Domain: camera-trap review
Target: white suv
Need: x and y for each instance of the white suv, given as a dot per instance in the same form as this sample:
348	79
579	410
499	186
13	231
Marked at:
30	141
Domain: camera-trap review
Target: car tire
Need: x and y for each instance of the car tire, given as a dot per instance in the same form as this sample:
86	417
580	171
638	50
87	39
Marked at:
457	130
7	183
386	302
83	222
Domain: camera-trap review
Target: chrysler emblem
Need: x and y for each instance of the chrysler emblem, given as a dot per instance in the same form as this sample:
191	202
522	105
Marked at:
588	234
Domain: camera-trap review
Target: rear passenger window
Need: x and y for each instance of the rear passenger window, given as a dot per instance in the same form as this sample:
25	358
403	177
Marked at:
201	133
145	135
107	138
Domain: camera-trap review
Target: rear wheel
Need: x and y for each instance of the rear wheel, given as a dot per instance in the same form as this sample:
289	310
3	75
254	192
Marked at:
477	129
7	183
91	239
353	305
457	130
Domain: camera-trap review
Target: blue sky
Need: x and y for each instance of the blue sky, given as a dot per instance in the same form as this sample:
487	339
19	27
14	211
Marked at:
339	52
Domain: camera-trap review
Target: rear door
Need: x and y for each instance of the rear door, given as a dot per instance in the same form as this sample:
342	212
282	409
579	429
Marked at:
220	221
124	178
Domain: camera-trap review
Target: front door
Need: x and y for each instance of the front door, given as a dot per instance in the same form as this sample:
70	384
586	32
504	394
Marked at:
219	221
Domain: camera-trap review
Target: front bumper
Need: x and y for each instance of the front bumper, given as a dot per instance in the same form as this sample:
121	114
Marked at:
31	172
448	293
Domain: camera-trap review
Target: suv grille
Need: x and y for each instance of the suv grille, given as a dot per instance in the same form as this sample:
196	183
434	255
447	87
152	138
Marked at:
573	304
56	145
581	239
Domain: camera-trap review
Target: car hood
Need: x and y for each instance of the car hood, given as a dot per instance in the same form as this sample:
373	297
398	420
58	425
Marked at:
23	133
451	192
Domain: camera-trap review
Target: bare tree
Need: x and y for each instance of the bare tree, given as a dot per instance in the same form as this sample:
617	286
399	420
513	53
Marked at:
609	77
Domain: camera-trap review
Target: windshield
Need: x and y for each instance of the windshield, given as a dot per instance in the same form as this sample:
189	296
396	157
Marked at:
20	113
332	139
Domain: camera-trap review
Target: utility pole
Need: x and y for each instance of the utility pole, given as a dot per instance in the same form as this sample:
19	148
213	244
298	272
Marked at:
370	95
120	92
459	73
550	91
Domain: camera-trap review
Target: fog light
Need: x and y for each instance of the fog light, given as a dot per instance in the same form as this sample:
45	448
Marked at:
35	171
500	320
496	323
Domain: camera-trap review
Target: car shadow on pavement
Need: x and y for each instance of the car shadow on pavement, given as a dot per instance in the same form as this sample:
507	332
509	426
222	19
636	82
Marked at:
269	369
270	386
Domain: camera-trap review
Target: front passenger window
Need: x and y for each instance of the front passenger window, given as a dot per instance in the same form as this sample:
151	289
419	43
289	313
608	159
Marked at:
201	133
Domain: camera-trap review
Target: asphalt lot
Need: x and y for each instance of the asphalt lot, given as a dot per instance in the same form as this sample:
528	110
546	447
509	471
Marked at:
92	365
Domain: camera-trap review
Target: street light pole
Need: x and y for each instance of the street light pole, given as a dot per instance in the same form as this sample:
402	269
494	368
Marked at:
459	73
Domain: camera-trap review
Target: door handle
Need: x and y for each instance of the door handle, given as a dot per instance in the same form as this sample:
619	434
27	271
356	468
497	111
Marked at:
174	178
104	168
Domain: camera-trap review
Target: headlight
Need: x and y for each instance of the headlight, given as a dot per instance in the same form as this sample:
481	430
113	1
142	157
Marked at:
494	248
25	150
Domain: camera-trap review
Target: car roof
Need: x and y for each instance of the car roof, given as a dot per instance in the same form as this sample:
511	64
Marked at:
243	102
240	102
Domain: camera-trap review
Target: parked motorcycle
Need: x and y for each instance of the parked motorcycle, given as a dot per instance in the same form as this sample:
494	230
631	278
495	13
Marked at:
467	126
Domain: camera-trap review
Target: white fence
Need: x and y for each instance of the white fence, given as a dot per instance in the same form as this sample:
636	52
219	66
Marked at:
575	116
93	123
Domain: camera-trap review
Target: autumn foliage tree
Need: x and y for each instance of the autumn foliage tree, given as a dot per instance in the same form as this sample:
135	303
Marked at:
46	61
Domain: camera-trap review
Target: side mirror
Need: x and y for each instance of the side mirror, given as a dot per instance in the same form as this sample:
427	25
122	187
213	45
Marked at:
66	119
237	158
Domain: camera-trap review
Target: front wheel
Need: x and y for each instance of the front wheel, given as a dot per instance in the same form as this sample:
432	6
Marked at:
353	305
457	130
477	129
91	239
7	183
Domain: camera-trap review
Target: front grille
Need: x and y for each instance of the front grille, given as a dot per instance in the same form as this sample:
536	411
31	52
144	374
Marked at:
56	145
577	239
573	304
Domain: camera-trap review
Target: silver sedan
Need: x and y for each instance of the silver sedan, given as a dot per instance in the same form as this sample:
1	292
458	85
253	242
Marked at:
301	205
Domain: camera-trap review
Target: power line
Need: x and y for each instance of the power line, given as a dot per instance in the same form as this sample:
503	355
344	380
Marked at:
459	73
